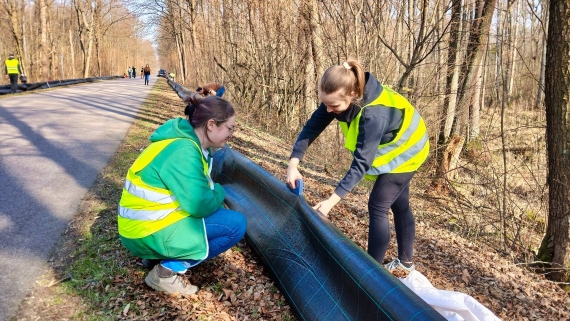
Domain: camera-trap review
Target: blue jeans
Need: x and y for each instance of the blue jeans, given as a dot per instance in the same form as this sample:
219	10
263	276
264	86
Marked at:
224	228
146	79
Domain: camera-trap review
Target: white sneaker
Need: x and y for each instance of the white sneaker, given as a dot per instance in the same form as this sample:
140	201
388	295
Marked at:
396	264
165	280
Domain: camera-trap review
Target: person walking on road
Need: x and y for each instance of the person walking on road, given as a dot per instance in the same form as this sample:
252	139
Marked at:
134	72
13	70
142	72
146	71
130	71
171	213
389	142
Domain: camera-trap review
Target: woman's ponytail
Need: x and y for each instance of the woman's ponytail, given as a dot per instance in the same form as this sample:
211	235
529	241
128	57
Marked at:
192	101
348	76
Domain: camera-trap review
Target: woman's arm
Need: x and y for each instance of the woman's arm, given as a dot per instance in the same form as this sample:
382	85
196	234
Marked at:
319	120
183	174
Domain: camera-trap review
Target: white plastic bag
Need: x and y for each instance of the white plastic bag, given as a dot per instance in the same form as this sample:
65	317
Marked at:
454	306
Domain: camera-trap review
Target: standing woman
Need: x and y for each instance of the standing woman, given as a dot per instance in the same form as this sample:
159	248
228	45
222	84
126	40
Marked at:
171	212
389	142
146	71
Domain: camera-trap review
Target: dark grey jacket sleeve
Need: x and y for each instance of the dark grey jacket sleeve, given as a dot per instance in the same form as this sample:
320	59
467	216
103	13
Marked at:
319	120
373	125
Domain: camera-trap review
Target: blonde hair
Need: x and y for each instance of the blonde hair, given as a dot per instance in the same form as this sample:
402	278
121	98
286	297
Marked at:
349	76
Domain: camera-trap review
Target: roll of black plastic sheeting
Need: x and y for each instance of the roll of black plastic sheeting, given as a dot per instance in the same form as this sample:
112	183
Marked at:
5	89
322	273
182	91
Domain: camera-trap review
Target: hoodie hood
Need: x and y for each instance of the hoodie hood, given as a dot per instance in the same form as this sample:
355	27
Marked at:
174	128
372	89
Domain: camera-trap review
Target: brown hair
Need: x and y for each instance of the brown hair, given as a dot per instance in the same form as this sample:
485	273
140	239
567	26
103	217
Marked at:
209	87
200	110
349	76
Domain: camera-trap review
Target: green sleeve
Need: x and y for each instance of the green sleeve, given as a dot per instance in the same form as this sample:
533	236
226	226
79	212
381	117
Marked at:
182	172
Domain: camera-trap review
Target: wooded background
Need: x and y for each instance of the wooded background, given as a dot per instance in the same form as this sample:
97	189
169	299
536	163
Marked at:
73	38
474	69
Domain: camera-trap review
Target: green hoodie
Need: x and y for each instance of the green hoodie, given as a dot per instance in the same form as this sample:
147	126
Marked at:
179	168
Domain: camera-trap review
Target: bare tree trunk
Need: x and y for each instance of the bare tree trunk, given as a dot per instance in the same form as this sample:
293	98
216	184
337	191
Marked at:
83	9
43	48
557	93
355	19
13	9
97	26
540	90
183	62
314	67
478	34
53	62
25	54
316	38
514	30
72	54
192	13
474	112
452	82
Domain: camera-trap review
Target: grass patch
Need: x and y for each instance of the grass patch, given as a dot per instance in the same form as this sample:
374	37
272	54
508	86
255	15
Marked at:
93	268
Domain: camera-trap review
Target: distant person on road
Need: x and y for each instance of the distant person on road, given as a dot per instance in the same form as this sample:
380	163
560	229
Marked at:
171	212
130	71
13	70
134	72
389	142
142	72
146	71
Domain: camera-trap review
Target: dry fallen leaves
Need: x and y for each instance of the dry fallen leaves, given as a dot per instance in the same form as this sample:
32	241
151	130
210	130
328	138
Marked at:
235	285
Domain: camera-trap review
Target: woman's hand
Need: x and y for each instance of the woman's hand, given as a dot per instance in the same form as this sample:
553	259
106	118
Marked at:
293	173
325	206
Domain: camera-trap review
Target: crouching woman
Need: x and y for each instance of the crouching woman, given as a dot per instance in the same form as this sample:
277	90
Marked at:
171	212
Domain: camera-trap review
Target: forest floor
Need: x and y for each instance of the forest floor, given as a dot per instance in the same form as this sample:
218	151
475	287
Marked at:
90	275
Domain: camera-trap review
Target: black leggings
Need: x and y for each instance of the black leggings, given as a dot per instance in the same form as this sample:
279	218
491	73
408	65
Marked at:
391	191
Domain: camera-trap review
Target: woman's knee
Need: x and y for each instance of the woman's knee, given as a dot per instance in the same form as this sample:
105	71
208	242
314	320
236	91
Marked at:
240	223
233	219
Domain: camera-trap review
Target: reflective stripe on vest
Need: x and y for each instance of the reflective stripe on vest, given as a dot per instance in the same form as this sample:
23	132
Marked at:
12	66
407	151
146	209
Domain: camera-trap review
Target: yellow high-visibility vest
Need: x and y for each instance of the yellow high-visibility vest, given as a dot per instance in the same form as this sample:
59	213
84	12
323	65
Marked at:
407	151
12	66
146	209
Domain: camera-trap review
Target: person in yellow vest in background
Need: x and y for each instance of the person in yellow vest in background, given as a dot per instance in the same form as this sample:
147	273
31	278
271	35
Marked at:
171	212
13	70
389	142
172	75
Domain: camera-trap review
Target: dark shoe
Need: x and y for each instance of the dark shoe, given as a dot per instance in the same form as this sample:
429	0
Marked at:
165	280
150	263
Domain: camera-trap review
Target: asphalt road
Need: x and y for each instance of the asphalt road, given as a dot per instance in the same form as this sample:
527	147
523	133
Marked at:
52	146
